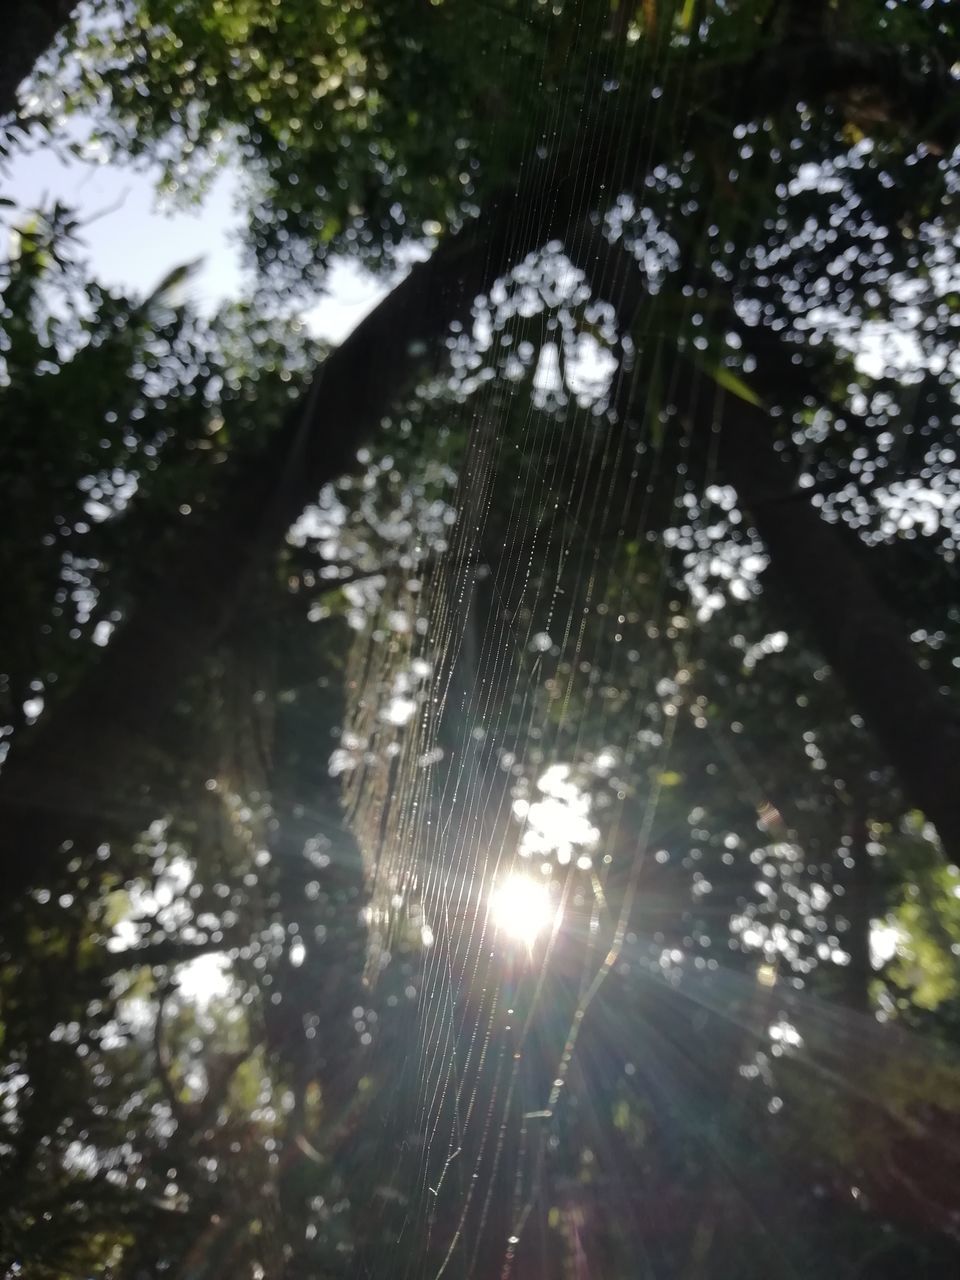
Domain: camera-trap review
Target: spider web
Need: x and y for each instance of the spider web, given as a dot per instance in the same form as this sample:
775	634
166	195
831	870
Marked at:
518	693
518	763
485	735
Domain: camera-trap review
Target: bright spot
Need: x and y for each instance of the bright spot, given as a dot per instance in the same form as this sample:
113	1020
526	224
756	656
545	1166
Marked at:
521	908
205	979
885	938
398	710
558	824
767	975
784	1032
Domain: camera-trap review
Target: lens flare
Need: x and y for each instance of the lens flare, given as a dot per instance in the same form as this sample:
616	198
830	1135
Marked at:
520	908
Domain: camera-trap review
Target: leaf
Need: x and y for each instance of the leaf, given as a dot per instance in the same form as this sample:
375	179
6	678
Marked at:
117	908
174	278
685	21
732	382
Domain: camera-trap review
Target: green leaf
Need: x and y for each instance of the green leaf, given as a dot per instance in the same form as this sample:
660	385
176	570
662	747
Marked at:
686	15
732	382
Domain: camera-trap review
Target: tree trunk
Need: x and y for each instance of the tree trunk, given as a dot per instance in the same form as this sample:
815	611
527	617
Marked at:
816	565
915	723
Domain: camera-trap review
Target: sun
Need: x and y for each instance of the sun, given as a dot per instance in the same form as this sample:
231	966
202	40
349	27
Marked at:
520	908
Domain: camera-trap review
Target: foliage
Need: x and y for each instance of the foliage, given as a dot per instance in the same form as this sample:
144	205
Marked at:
362	126
572	614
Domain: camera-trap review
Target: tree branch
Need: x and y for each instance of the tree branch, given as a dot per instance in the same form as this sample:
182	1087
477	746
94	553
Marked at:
57	781
846	617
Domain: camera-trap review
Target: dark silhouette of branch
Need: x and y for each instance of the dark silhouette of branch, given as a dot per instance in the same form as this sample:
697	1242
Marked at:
167	952
818	566
59	777
29	28
178	1108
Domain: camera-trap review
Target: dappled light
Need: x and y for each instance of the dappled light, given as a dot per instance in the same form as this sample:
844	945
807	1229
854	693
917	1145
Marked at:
479	741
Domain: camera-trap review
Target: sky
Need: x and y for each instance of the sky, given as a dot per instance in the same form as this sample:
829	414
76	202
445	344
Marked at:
134	239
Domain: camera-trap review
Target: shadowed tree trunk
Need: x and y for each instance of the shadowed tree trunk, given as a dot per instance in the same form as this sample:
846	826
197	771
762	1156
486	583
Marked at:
815	565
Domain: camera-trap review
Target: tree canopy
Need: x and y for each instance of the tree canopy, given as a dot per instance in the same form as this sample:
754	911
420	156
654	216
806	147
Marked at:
482	799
